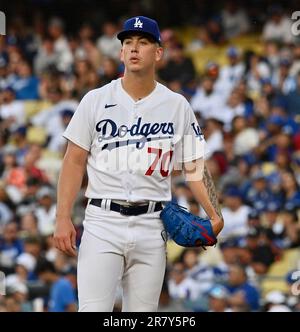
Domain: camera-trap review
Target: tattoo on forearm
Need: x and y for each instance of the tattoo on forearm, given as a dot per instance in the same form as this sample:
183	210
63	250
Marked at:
211	190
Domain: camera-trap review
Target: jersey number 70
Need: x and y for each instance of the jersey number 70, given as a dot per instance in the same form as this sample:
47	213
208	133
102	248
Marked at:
165	161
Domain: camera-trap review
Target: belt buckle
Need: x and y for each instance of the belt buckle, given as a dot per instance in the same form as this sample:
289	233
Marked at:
124	210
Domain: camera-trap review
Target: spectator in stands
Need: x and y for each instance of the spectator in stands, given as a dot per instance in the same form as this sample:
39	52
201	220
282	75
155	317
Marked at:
46	58
273	225
256	70
206	100
12	304
178	68
108	44
278	26
28	225
10	247
57	143
200	40
15	58
19	140
50	118
204	274
33	249
31	159
243	296
61	46
231	74
169	40
275	301
166	304
86	32
259	193
292	297
233	108
235	215
218	299
215	31
19	293
3	72
260	250
282	81
180	286
290	221
295	68
5	209
212	70
293	98
28	201
234	20
25	263
108	71
45	211
213	135
291	189
254	219
26	85
272	51
92	54
83	71
62	296
12	111
246	138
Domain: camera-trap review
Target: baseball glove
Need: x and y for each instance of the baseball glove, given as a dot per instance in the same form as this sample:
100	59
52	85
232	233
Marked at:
186	229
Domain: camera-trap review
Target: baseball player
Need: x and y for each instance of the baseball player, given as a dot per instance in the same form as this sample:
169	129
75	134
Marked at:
129	134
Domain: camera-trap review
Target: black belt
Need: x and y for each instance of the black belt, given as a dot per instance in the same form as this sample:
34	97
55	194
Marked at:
127	210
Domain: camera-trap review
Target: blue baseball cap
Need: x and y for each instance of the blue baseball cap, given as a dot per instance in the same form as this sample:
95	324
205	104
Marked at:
273	206
218	292
233	191
232	52
140	24
276	120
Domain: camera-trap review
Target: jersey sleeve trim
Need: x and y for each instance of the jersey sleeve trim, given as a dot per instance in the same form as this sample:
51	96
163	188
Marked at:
75	141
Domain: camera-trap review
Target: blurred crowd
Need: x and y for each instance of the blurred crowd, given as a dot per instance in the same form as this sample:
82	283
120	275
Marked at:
249	111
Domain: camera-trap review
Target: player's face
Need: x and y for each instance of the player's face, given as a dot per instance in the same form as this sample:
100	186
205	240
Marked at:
139	53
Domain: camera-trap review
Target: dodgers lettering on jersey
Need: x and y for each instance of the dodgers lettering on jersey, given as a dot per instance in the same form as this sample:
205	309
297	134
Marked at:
134	145
108	129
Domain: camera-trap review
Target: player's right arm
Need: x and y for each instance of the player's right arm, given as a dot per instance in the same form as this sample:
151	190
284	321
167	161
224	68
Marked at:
69	182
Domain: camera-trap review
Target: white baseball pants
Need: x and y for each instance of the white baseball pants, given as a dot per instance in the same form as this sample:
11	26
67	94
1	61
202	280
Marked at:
116	248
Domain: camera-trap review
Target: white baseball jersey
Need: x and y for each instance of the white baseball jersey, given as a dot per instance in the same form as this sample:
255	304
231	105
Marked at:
134	145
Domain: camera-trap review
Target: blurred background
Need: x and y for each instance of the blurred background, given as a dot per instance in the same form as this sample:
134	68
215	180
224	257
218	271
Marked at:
238	63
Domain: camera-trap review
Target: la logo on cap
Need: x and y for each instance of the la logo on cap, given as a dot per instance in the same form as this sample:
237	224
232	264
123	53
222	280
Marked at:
138	23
